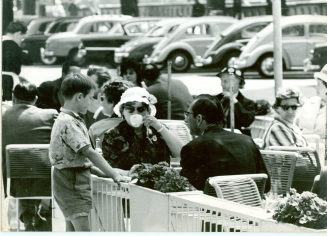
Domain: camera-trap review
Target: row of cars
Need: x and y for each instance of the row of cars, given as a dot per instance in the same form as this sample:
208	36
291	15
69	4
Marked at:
202	41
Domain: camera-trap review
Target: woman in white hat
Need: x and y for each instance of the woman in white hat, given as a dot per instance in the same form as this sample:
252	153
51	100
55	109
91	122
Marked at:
140	137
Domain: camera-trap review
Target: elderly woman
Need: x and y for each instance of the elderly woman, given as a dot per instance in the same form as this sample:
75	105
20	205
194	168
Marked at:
283	131
140	137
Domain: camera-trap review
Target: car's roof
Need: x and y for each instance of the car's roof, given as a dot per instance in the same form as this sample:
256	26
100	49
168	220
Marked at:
303	18
247	21
204	19
104	17
136	19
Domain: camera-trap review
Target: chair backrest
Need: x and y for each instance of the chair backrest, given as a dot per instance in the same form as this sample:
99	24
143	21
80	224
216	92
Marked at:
28	161
306	168
260	126
179	128
280	166
236	188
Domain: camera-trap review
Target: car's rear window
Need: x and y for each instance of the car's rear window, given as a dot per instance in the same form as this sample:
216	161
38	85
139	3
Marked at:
318	30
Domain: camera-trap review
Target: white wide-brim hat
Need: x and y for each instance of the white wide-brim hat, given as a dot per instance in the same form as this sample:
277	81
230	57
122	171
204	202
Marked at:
322	75
137	94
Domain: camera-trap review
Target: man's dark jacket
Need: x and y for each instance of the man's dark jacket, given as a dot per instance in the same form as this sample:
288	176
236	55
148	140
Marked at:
244	110
219	152
48	95
27	124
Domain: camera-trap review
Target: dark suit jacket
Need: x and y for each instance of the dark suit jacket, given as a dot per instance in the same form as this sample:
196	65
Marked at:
181	98
26	124
219	152
49	96
244	110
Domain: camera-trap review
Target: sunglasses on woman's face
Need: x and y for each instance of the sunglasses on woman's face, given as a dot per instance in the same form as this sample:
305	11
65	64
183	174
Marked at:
131	109
286	107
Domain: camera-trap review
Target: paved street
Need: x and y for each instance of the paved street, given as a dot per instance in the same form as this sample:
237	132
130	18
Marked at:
200	81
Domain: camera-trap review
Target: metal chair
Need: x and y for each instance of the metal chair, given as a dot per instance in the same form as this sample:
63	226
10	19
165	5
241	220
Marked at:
306	168
179	128
259	128
237	188
280	166
27	161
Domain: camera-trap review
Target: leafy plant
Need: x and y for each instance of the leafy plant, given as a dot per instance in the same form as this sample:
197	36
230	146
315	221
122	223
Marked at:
160	177
305	209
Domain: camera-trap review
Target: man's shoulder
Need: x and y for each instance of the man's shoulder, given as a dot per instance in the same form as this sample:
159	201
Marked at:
50	84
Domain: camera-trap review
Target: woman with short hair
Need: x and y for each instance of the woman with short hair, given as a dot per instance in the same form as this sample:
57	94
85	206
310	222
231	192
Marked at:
283	131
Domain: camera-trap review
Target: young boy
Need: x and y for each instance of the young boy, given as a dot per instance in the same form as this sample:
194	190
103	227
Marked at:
71	153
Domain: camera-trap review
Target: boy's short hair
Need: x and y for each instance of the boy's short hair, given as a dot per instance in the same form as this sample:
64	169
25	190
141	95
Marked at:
76	83
16	26
25	91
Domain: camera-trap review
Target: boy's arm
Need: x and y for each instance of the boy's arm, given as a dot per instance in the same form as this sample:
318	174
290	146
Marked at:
100	162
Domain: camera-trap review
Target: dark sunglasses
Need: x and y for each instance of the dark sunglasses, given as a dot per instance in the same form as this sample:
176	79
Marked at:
286	107
131	109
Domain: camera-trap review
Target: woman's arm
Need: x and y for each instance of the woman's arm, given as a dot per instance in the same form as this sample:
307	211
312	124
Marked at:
173	142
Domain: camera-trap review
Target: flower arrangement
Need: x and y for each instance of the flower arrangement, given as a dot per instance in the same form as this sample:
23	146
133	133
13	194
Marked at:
160	177
305	209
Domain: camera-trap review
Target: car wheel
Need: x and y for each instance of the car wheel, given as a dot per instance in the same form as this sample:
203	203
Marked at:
180	61
48	60
266	65
227	60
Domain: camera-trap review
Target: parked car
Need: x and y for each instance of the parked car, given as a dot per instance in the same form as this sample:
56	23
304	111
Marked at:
229	43
317	58
101	48
38	25
189	40
139	47
34	44
299	34
66	44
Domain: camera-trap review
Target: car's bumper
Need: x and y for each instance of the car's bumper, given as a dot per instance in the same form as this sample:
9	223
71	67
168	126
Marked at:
200	61
238	62
47	53
308	66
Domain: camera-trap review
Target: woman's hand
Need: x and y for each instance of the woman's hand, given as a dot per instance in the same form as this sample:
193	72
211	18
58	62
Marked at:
152	121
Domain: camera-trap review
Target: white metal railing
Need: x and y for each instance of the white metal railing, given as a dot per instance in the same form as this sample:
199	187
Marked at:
151	210
110	206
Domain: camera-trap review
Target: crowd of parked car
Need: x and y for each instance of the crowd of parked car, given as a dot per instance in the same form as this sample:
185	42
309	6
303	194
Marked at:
209	41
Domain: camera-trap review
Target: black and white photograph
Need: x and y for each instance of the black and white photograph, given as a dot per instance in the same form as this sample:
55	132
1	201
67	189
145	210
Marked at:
164	116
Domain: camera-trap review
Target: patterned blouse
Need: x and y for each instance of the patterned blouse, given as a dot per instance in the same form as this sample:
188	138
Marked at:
282	133
122	148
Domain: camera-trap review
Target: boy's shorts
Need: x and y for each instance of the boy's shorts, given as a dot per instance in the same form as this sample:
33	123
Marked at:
72	191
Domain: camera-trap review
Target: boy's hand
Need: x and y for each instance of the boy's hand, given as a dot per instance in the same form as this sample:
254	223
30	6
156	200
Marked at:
122	178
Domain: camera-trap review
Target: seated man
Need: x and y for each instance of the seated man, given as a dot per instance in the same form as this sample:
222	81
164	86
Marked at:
244	109
48	92
23	123
216	151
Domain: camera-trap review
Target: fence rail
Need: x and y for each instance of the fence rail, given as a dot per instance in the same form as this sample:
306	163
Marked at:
133	208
